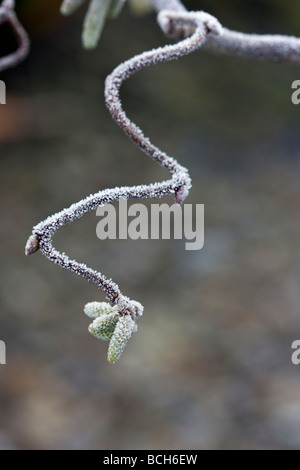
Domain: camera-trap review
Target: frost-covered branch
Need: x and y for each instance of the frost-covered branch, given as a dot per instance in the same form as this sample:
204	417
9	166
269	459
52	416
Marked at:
8	15
271	47
116	321
179	184
264	47
248	46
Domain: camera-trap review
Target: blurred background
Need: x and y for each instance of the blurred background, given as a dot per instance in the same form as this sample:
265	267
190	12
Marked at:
210	367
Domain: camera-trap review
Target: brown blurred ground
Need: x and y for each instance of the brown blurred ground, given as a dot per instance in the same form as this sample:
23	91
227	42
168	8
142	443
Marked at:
211	364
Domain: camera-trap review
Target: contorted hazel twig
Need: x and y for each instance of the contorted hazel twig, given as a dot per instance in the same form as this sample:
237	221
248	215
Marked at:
7	15
106	325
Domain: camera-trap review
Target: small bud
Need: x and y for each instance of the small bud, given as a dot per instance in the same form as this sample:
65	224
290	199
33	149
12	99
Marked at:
181	194
32	245
137	309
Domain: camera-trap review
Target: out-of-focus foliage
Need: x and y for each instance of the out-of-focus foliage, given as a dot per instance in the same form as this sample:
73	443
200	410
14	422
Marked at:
98	12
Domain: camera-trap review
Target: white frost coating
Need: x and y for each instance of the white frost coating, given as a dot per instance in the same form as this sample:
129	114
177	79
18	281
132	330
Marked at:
254	46
174	24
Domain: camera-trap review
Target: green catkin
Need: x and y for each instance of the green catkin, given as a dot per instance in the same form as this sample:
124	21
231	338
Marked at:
103	327
124	329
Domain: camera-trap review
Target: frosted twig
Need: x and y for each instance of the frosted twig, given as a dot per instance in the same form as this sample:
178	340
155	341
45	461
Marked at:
248	46
117	322
204	24
8	15
179	184
273	47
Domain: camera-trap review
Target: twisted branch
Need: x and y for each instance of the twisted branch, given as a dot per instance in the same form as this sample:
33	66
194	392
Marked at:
8	15
118	325
264	47
179	183
116	322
